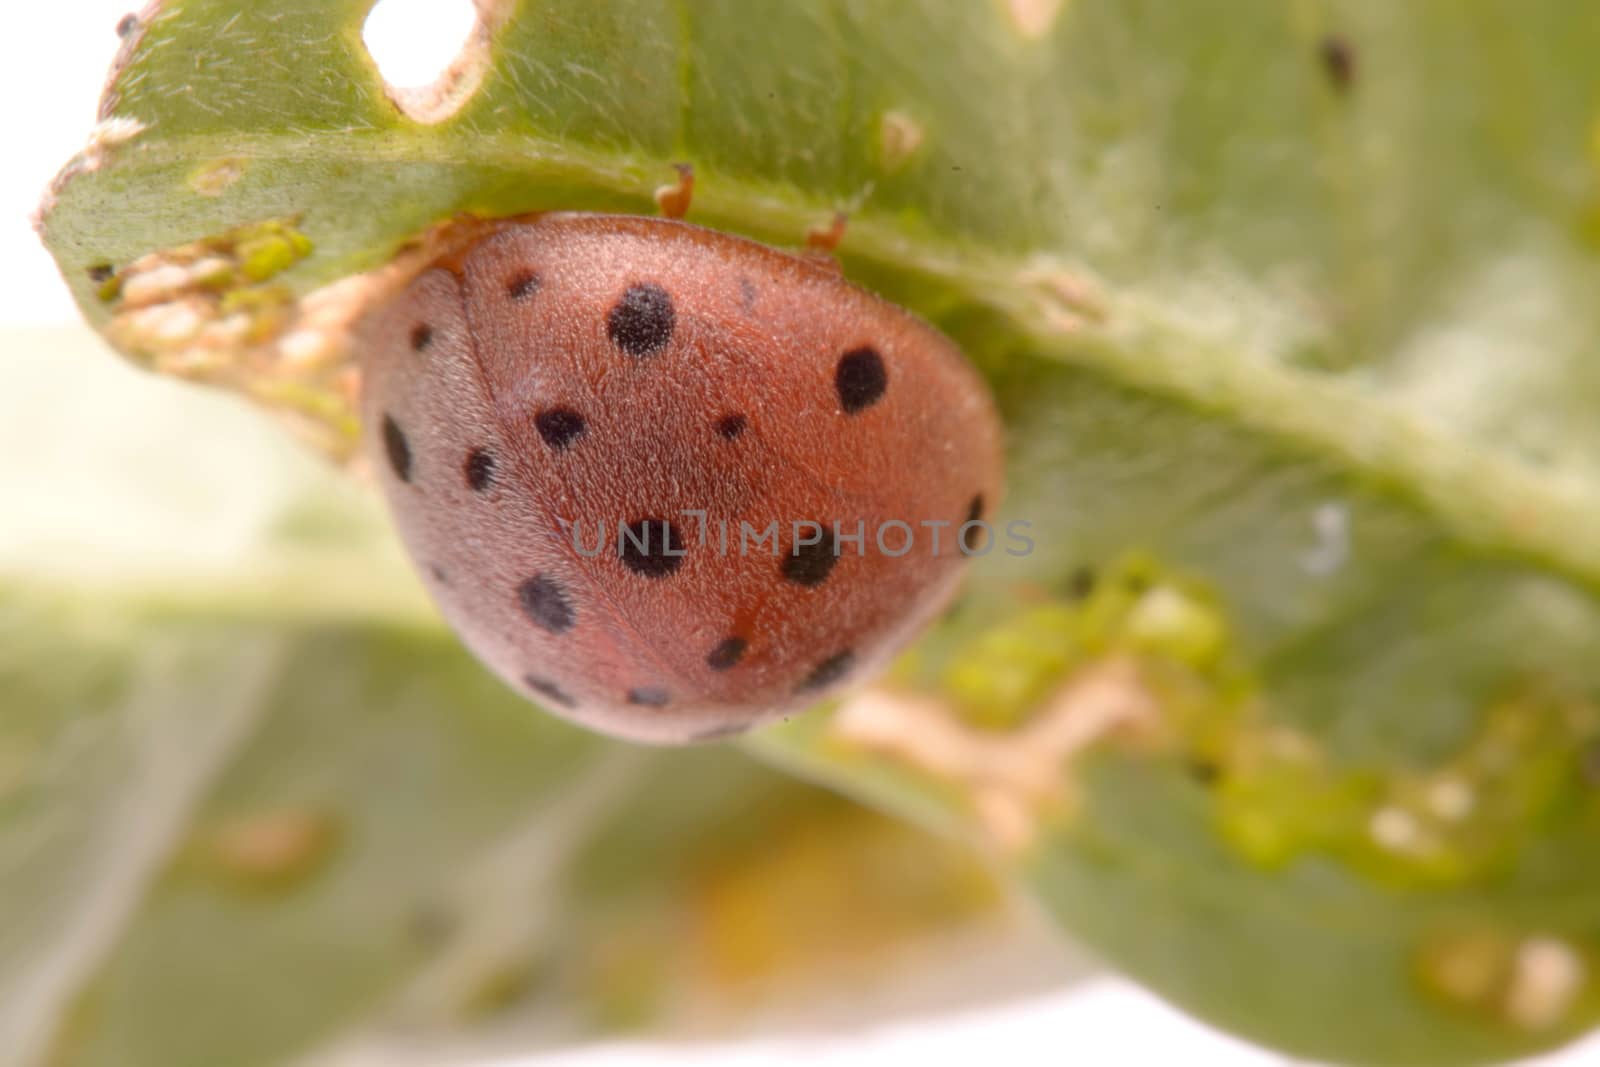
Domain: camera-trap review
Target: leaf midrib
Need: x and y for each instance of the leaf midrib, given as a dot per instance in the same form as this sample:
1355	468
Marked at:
1495	504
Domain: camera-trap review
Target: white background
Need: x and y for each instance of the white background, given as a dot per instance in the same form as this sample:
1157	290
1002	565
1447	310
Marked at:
54	59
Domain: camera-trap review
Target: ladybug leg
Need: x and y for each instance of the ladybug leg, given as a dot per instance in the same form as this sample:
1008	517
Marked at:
674	199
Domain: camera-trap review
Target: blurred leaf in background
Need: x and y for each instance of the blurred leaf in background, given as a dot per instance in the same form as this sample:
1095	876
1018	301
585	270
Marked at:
239	824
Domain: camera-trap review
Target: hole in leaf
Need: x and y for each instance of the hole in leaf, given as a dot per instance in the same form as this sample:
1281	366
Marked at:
431	53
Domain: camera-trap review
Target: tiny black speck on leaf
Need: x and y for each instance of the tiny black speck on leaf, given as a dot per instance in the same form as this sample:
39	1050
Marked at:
1338	62
1590	759
1081	583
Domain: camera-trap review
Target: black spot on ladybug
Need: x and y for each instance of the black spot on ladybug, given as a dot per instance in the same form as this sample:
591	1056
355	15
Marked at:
1338	62
649	697
397	448
721	733
560	427
546	603
101	273
421	336
860	379
641	323
731	426
810	564
439	574
827	672
479	469
727	653
971	534
522	286
549	690
747	294
650	547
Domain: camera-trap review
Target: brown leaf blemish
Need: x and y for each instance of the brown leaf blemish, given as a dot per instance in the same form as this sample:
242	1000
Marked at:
1013	777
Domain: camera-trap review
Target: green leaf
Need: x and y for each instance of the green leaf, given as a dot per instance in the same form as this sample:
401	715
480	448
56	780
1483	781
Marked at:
242	838
1293	703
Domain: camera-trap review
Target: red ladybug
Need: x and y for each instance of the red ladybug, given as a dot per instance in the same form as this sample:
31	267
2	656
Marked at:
669	482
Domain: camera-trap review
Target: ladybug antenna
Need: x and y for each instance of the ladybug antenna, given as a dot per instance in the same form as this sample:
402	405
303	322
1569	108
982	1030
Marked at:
674	199
826	241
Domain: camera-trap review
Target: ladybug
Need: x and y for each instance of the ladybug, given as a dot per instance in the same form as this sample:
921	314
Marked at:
667	482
